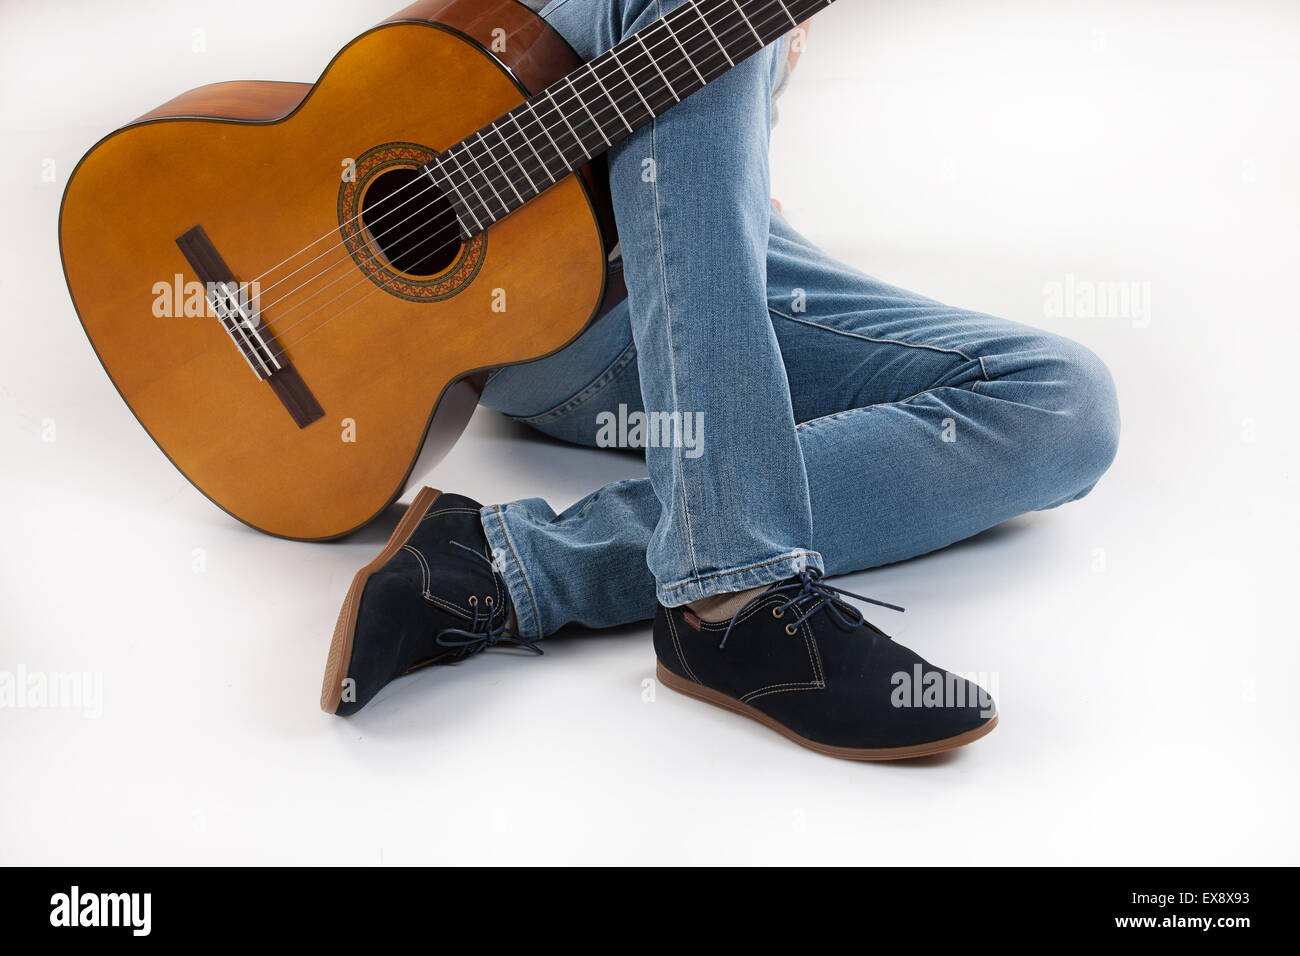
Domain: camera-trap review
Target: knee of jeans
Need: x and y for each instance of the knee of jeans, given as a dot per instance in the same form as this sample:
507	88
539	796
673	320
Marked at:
1087	412
637	13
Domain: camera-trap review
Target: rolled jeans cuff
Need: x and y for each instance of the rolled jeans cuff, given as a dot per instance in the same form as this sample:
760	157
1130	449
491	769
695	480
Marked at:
507	562
677	593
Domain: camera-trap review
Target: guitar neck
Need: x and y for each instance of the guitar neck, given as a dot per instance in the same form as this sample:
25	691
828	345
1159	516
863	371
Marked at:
500	167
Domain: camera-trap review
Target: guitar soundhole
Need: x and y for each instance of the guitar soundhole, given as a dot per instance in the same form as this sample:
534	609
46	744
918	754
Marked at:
410	223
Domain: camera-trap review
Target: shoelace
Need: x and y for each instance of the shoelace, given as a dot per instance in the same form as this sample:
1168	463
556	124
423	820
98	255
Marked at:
472	640
812	594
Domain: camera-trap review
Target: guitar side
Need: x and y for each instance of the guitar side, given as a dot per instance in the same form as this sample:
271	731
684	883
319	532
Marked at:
379	358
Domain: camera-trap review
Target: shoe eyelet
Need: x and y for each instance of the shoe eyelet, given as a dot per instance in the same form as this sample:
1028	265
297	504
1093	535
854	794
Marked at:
489	601
790	629
473	600
777	612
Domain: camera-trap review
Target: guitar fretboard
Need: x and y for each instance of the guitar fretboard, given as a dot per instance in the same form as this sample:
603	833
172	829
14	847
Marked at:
506	163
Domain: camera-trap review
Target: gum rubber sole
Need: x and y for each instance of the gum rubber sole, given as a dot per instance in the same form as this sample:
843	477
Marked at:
340	655
691	689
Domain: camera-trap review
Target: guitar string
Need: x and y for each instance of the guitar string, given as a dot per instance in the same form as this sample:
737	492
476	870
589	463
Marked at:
711	59
491	182
347	258
351	305
381	287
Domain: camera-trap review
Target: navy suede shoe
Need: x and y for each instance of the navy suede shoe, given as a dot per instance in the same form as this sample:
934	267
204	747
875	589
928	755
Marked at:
801	660
432	596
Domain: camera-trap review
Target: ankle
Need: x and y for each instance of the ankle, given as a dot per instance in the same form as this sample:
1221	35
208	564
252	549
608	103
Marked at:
717	608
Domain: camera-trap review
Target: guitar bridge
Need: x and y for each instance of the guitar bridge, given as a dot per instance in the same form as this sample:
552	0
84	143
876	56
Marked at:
243	325
236	315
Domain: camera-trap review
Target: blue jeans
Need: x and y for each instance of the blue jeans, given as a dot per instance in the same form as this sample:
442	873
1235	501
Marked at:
846	423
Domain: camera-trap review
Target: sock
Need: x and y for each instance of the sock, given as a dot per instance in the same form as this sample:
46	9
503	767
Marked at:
722	607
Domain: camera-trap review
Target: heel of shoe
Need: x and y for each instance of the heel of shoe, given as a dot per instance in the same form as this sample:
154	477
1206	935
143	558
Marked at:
340	652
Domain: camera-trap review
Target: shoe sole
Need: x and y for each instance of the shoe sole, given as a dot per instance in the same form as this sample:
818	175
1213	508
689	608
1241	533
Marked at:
691	689
340	655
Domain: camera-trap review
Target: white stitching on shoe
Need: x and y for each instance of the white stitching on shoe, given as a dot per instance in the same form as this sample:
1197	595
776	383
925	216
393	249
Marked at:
780	689
814	658
449	511
428	594
810	643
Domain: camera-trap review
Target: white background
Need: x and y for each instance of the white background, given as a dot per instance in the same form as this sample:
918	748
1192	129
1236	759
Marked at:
1143	640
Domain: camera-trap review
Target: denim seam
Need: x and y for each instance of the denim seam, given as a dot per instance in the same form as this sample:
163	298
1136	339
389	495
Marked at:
668	322
866	408
734	571
519	566
868	338
594	388
557	6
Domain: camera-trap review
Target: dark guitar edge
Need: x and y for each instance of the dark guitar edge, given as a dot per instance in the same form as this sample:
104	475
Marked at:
445	423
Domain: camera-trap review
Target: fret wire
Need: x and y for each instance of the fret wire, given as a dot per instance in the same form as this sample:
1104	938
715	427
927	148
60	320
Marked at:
731	24
673	34
497	162
733	31
654	88
569	111
596	76
694	6
736	4
567	164
628	108
466	149
610	89
631	82
520	158
677	40
739	42
572	132
655	64
428	171
583	103
554	145
470	183
469	175
687	35
514	118
527	139
496	159
708	52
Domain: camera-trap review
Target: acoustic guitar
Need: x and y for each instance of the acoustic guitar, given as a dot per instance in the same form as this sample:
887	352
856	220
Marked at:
294	285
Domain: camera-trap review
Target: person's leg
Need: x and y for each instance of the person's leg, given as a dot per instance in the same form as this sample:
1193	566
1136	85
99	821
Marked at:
690	195
921	425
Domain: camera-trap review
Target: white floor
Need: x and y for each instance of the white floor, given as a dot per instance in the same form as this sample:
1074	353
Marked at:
1143	642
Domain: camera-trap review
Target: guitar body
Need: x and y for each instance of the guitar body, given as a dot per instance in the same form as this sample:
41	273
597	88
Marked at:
379	351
